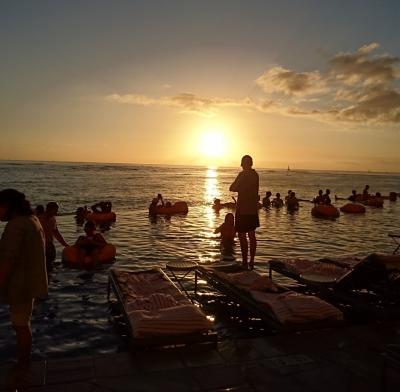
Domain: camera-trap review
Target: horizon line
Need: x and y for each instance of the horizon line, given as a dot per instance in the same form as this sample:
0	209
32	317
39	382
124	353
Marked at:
194	165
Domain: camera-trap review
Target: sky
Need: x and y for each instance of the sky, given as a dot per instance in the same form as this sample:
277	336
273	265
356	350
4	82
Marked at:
306	84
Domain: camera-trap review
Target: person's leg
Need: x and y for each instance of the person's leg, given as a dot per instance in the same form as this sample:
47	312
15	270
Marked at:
24	344
50	257
253	247
244	247
20	319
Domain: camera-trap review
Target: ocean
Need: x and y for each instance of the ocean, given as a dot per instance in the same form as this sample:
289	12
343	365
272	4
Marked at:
77	318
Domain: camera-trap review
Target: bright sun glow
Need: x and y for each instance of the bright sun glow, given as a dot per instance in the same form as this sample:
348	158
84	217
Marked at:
212	144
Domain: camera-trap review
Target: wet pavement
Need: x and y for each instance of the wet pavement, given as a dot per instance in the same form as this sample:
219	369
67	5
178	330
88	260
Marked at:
349	358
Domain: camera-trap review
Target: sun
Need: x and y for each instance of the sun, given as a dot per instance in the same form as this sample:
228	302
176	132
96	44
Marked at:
212	143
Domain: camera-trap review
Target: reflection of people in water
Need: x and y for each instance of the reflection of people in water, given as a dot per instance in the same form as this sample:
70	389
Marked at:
277	202
103	206
246	219
90	244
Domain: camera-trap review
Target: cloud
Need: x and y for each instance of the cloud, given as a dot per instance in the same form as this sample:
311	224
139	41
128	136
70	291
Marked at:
299	84
362	68
357	87
191	103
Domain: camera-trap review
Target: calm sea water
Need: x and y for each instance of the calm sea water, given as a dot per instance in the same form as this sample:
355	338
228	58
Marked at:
77	319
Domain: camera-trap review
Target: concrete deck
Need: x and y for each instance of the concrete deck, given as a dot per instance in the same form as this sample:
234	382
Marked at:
342	359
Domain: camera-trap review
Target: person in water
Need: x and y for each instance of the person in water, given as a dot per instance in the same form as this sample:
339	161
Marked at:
277	202
352	197
326	198
227	229
289	192
291	202
266	201
39	210
228	234
246	218
156	202
365	194
91	243
23	276
80	215
49	224
319	199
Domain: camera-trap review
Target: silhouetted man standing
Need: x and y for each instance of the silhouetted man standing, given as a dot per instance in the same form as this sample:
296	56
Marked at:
246	219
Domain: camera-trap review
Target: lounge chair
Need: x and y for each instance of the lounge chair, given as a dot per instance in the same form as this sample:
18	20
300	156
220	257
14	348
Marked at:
278	307
156	311
369	286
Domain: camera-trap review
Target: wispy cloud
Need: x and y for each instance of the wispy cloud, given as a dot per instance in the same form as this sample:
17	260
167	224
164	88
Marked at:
357	87
191	103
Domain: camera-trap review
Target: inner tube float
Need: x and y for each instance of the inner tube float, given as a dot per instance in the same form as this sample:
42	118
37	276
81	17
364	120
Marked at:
101	217
105	256
180	207
374	202
325	211
353	208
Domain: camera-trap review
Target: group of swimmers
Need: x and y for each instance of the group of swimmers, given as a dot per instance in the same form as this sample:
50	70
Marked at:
89	244
291	201
365	195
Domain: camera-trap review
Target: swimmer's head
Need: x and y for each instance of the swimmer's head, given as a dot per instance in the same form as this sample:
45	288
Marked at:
90	227
52	208
229	219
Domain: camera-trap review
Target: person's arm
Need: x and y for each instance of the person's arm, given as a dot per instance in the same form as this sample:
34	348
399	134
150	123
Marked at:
59	237
235	184
218	230
10	249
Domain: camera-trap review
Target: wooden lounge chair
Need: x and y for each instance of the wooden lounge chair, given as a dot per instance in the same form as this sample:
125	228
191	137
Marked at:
278	307
156	311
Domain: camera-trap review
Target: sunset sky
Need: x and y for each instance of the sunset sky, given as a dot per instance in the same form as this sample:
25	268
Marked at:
310	84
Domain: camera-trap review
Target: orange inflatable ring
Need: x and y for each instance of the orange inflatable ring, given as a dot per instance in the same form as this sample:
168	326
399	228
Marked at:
374	202
100	217
70	257
325	211
180	207
353	208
